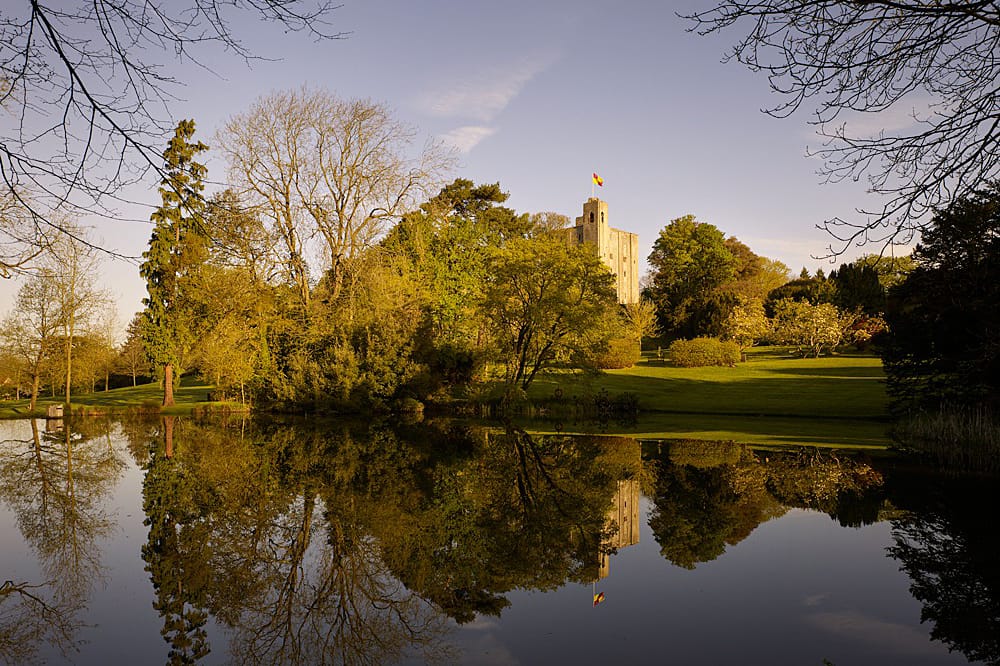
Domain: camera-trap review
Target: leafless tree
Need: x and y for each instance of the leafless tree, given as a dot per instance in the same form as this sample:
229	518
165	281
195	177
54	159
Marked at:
939	61
85	95
71	266
316	166
22	235
29	332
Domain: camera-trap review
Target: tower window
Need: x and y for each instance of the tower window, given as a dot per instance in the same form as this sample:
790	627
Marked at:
591	217
602	217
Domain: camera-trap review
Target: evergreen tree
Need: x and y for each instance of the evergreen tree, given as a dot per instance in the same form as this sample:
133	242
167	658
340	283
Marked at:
177	247
943	318
856	286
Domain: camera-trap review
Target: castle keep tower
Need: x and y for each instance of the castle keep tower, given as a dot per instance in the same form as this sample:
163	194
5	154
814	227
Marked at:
618	249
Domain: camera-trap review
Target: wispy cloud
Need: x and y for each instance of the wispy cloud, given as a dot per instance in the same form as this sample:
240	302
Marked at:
482	96
902	117
464	139
892	637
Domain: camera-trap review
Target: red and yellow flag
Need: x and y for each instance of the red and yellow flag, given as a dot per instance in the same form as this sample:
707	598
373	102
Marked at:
598	181
599	597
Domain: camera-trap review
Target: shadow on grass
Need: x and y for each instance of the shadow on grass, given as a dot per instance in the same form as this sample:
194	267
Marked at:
829	396
850	371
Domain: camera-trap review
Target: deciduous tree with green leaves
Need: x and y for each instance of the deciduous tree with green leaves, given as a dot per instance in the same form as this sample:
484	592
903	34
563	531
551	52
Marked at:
176	249
543	299
689	262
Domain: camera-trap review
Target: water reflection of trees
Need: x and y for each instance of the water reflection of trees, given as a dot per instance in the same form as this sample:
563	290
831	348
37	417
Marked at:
710	495
946	542
56	482
356	546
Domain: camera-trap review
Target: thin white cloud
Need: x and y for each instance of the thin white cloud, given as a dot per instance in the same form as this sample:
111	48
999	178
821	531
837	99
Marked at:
893	637
464	139
901	117
483	96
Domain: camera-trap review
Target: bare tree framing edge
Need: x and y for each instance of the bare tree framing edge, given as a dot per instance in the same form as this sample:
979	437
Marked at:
85	99
837	57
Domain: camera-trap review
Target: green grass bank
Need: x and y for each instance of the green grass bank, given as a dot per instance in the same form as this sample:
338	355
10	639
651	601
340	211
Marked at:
192	396
771	399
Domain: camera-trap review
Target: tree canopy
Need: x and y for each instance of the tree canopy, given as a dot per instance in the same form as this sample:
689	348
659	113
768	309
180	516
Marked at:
689	262
943	318
546	301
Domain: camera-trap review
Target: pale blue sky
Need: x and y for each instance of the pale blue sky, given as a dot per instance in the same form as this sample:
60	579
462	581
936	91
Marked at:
537	96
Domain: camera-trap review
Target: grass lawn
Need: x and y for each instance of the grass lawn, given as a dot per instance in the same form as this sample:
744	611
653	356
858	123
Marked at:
771	399
190	395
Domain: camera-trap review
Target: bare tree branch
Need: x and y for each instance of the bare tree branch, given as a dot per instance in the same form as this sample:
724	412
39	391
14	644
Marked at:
85	95
841	58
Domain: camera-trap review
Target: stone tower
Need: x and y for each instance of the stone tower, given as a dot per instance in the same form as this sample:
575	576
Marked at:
619	250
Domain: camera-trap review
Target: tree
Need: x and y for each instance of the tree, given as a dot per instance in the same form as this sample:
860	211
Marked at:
640	319
316	165
753	275
85	88
856	287
689	262
747	324
814	290
72	266
542	299
231	307
447	243
106	331
132	353
846	58
812	328
29	332
239	238
943	318
891	270
177	247
22	235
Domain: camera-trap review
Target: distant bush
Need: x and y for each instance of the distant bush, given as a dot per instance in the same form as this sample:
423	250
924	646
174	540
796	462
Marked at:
621	353
702	352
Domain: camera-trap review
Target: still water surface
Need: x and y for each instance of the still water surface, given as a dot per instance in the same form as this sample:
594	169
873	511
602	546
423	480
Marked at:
180	541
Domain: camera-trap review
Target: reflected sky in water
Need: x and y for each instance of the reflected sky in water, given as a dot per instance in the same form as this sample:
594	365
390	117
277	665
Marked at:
260	543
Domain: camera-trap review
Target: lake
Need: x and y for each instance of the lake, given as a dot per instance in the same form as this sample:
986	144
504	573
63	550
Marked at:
180	540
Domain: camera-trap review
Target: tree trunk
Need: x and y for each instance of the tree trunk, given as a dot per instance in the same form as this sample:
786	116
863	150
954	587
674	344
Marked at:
133	379
107	380
34	391
168	435
168	385
69	356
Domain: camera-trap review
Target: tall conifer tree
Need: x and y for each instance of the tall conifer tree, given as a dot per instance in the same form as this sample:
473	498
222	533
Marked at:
177	247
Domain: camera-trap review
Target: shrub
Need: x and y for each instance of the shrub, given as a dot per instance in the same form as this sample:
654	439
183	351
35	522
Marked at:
702	352
621	353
